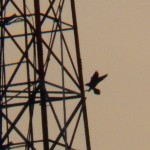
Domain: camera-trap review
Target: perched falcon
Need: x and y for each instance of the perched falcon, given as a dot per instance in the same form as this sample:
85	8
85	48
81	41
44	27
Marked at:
95	79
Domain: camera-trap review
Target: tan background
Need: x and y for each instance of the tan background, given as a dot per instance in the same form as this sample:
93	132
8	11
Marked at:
115	39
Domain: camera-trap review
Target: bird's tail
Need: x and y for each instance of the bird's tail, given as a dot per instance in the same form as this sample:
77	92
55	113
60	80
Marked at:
97	91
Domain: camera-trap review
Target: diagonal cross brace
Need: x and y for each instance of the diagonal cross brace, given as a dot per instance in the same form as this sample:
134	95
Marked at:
67	124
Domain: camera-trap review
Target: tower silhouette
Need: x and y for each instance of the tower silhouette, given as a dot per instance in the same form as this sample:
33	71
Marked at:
42	98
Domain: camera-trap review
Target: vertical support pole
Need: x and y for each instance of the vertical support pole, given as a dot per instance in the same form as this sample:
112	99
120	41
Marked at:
1	49
30	132
41	75
85	118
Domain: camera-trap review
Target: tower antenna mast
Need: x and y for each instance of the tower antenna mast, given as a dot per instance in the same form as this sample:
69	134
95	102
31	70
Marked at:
42	96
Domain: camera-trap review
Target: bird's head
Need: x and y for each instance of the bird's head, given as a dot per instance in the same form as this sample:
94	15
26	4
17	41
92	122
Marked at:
97	91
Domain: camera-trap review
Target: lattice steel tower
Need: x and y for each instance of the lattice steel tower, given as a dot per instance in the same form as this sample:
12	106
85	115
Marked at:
42	98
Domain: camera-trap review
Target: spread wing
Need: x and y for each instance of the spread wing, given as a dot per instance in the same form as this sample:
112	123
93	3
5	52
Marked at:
102	77
95	76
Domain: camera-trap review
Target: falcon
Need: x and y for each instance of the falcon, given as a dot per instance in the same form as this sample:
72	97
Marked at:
95	79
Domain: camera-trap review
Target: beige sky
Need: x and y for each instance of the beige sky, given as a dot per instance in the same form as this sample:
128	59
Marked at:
115	39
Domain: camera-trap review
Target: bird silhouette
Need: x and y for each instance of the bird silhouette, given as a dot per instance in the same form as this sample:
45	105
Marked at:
95	79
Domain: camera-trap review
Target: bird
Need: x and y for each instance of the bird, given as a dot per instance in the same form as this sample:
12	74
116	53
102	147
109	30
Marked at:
95	79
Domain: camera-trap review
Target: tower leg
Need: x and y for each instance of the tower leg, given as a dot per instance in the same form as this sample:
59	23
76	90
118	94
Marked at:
41	75
85	118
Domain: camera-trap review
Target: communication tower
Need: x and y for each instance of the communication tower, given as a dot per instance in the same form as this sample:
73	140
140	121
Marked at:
42	96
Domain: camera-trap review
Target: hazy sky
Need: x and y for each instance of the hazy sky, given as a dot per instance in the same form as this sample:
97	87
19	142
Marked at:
115	39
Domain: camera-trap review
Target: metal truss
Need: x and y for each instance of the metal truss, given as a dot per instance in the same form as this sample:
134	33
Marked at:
42	98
